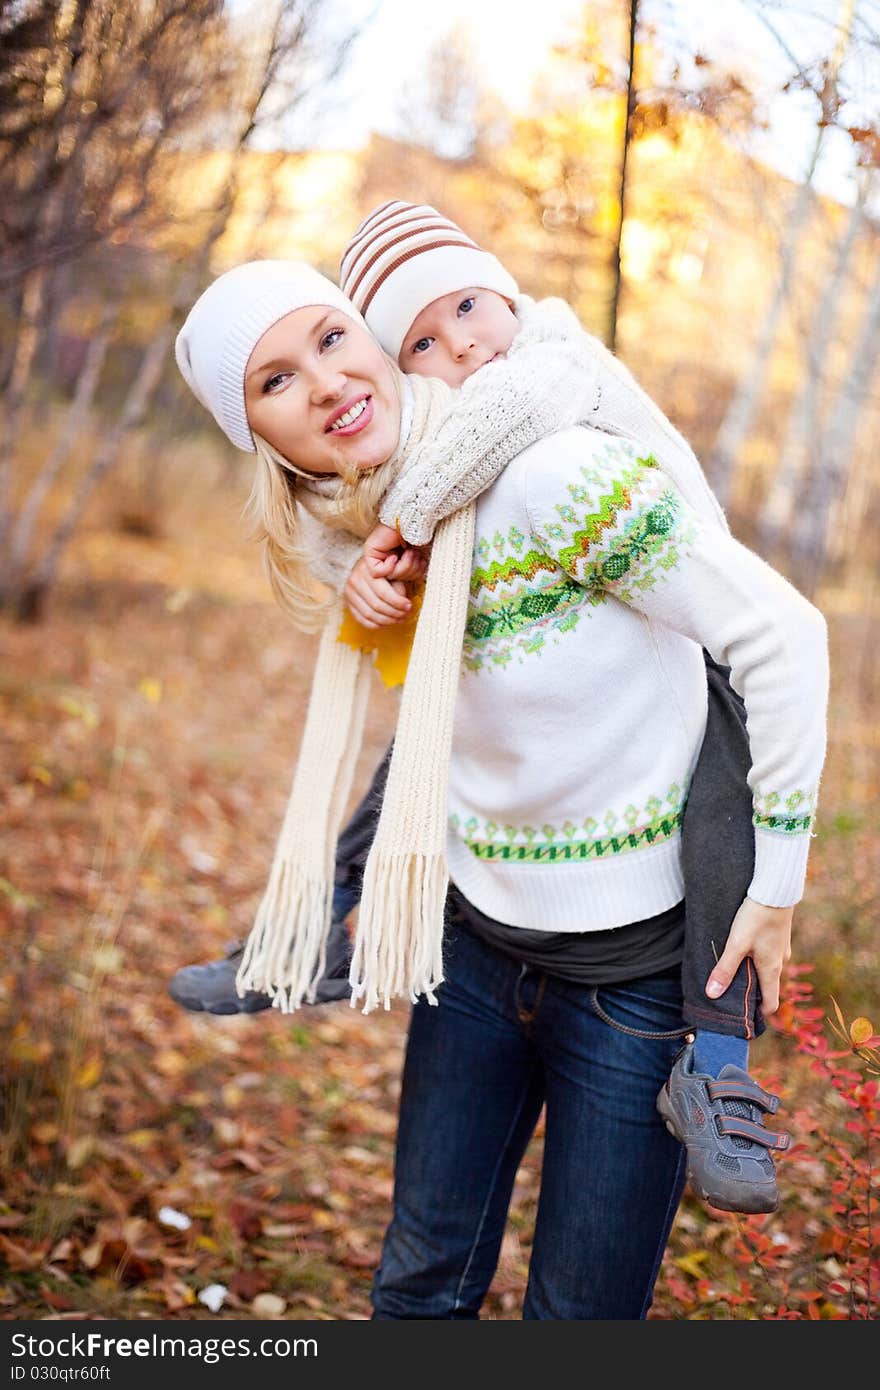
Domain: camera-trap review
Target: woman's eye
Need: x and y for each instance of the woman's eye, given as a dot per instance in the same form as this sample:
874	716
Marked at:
466	305
422	345
273	382
331	338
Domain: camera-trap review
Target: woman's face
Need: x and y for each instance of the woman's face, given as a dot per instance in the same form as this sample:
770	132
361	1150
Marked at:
320	390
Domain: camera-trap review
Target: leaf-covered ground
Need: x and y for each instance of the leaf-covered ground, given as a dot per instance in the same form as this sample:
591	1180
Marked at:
149	730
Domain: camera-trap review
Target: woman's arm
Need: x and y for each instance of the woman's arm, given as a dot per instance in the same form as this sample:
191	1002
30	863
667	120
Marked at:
615	523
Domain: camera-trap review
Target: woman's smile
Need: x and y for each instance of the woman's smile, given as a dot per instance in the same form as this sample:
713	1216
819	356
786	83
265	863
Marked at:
352	418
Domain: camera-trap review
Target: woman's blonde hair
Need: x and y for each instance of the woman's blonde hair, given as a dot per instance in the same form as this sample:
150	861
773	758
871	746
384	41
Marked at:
273	511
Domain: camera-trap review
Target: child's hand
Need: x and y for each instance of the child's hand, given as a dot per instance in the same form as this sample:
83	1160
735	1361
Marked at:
764	933
389	557
375	602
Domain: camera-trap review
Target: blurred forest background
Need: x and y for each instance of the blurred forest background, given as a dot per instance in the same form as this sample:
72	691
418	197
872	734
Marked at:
152	695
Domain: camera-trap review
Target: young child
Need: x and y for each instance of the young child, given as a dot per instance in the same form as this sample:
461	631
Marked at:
444	308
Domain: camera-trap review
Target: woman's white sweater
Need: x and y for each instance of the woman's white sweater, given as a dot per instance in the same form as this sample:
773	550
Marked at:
582	703
602	565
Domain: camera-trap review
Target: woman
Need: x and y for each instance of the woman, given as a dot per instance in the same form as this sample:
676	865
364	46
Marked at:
492	1040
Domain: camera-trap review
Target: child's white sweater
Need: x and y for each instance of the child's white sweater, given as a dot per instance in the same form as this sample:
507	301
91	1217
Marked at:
582	703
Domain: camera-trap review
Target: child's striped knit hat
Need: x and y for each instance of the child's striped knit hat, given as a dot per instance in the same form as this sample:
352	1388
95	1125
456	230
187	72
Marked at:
402	257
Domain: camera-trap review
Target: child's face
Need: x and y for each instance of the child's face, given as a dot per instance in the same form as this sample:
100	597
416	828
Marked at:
311	369
458	334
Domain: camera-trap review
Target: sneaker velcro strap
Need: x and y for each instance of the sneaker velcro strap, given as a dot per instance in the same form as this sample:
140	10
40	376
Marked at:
746	1129
741	1090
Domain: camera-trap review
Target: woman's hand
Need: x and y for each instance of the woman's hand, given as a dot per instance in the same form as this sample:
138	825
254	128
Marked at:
764	933
375	592
375	602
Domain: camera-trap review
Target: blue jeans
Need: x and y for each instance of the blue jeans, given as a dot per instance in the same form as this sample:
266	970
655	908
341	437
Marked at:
502	1041
718	855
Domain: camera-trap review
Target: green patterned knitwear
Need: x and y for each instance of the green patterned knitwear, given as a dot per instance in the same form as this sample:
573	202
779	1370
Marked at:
581	710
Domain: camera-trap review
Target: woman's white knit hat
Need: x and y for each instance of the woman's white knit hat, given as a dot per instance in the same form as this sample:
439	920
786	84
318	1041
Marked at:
228	320
402	257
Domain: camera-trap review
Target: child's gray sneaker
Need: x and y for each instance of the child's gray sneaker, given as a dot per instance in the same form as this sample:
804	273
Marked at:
719	1121
211	988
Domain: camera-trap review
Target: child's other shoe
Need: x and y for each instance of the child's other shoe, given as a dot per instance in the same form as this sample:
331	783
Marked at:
211	988
719	1121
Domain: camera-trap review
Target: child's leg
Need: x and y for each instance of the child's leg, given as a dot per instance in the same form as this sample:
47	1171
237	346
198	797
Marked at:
720	1120
355	842
718	852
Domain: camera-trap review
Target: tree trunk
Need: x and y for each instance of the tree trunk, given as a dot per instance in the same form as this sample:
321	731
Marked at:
30	326
33	593
821	505
798	449
746	399
75	418
622	190
286	34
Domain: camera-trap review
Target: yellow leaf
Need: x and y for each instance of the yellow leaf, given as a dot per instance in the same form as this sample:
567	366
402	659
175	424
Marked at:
170	1063
107	959
392	645
178	600
206	1243
693	1262
268	1305
282	1231
38	773
89	1073
151	689
142	1138
30	1050
44	1132
133	1229
861	1030
79	1150
79	709
227	1131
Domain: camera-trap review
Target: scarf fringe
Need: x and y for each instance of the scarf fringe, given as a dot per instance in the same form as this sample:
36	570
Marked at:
286	951
398	948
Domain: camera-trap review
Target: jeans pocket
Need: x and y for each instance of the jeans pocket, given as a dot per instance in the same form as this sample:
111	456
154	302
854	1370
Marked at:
635	1002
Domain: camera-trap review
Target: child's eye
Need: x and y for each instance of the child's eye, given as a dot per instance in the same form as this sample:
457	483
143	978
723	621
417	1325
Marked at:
467	304
272	383
332	337
422	345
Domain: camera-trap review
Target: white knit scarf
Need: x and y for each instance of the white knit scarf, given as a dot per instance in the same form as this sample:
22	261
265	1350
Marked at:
398	946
